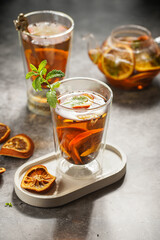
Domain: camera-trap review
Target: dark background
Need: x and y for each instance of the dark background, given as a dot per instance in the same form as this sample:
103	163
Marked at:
127	210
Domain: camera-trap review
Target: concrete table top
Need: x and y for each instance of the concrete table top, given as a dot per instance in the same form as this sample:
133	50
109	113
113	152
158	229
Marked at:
128	209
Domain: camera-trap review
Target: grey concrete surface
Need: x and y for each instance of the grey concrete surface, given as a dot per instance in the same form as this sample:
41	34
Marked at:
127	210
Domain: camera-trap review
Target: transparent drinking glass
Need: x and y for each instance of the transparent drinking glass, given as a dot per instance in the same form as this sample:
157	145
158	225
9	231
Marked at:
49	37
79	132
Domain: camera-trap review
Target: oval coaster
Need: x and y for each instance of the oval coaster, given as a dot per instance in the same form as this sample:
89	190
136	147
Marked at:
66	190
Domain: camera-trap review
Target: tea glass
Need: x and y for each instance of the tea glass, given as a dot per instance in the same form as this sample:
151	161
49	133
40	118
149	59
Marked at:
53	47
80	134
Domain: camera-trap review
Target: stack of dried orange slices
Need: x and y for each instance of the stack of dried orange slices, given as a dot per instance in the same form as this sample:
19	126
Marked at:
37	178
19	146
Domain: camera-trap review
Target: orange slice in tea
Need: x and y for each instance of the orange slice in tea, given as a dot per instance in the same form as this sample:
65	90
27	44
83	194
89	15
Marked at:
105	44
94	55
2	170
38	179
65	135
87	100
4	132
20	146
143	38
83	100
145	61
118	62
84	144
56	59
143	75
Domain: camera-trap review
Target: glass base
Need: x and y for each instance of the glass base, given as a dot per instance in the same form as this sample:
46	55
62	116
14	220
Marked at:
89	170
37	103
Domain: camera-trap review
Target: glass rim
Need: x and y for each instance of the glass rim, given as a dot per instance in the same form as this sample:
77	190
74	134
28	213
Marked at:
125	28
51	12
89	79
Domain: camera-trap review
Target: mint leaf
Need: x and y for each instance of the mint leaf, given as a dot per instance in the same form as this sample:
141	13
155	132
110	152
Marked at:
52	98
8	204
30	74
55	85
54	73
36	84
42	78
33	68
42	65
79	100
43	71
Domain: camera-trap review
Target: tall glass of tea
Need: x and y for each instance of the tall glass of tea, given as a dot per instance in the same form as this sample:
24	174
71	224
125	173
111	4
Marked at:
80	122
48	36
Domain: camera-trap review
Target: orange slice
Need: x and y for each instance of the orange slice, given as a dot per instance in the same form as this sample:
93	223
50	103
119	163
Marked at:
56	59
84	144
20	146
4	132
2	170
145	61
65	135
94	55
118	62
85	103
38	179
143	75
83	100
105	44
143	38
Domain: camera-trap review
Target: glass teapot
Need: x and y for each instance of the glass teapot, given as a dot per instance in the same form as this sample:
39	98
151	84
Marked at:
129	57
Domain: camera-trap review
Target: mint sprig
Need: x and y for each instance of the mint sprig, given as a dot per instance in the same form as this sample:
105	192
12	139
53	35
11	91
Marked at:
42	77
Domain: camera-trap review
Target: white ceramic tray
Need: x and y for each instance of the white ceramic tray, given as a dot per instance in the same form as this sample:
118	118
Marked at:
66	189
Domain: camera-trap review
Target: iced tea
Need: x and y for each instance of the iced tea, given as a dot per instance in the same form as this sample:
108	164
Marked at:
80	120
48	37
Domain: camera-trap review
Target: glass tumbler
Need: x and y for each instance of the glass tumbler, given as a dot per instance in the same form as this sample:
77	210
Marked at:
49	37
79	131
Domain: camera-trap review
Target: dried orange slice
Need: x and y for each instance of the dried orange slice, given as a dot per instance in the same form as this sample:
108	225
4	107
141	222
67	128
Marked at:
2	170
118	62
20	146
38	179
147	62
4	132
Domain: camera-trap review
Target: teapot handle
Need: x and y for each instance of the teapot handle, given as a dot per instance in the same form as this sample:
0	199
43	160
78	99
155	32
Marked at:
91	41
